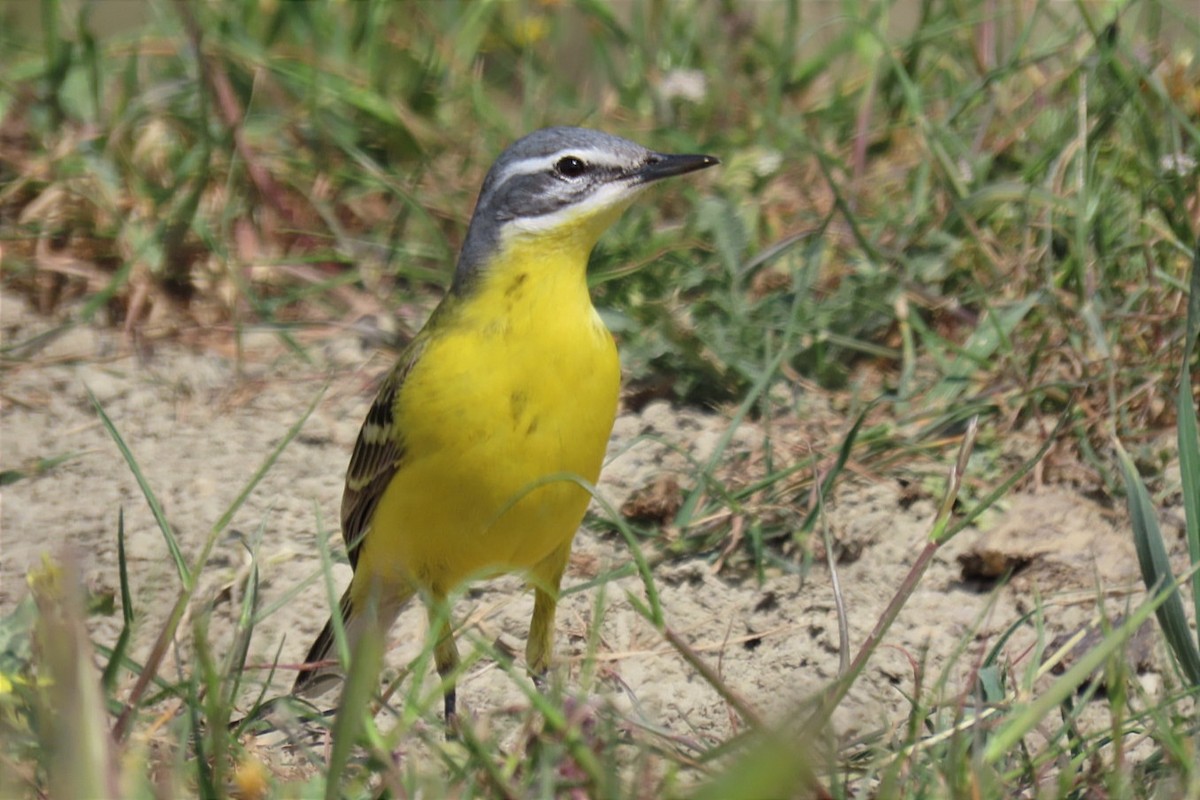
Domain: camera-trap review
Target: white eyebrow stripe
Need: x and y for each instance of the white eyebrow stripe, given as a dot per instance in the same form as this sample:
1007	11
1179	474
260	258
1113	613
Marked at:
528	166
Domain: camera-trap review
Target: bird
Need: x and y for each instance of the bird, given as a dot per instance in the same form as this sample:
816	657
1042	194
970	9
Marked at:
472	459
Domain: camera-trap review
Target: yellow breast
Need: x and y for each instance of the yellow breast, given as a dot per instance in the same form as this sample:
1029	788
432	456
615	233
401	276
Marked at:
513	397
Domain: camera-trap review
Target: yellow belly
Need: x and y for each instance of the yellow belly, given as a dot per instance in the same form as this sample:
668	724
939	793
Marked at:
505	404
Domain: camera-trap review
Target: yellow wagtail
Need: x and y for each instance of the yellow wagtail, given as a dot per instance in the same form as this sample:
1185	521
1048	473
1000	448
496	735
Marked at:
460	467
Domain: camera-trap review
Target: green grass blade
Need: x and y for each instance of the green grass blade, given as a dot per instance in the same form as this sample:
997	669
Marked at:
353	712
118	651
1186	429
338	624
841	687
1156	569
205	759
39	467
72	725
235	662
832	474
185	574
773	766
653	613
1025	720
167	634
123	570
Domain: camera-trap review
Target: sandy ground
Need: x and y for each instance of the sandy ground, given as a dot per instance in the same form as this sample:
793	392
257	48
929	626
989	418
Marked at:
200	425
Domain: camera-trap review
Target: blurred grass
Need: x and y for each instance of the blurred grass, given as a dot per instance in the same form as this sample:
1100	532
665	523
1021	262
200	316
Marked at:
983	208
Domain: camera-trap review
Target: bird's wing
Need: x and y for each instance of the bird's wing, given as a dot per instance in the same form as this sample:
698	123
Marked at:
377	454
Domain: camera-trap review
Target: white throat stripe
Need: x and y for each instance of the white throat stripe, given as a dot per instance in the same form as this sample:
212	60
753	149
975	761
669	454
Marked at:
606	196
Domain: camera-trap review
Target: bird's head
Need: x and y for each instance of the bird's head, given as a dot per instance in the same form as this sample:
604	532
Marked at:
562	185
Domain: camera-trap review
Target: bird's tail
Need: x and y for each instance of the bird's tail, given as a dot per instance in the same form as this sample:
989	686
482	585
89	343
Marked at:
315	680
354	610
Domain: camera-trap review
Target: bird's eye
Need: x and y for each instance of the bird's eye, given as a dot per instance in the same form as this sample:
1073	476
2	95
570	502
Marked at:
570	167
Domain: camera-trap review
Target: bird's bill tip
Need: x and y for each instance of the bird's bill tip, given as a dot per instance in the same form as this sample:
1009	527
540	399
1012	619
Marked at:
665	165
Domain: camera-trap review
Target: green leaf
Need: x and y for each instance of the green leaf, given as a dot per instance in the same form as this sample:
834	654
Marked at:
1186	429
39	467
1156	569
185	574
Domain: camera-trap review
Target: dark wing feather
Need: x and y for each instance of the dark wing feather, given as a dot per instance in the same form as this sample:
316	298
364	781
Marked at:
377	454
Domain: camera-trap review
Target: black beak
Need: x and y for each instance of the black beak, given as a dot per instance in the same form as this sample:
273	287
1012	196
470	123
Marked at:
662	165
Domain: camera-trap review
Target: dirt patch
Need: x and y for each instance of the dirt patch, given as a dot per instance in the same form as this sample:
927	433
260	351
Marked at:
200	424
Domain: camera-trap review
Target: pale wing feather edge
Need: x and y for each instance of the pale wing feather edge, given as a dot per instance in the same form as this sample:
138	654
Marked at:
377	455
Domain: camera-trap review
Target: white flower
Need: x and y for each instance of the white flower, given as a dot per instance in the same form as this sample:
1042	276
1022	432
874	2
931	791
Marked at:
1177	164
686	84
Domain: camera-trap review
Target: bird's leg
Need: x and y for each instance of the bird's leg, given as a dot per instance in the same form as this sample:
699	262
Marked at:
445	655
541	637
546	578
